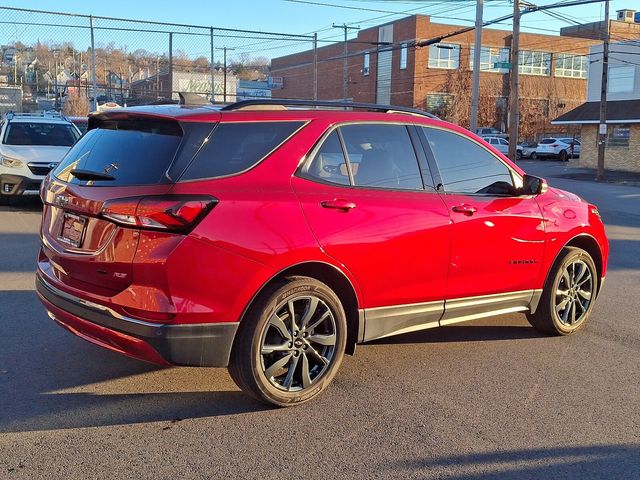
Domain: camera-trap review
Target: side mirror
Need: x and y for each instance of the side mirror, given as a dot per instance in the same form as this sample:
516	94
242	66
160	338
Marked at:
533	185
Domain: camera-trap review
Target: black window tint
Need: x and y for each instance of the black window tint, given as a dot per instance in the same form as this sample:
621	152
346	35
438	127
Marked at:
41	134
329	164
382	156
133	151
547	141
235	147
466	167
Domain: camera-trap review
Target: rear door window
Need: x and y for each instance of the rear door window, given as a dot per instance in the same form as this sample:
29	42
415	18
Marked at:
382	156
329	163
548	141
236	147
133	151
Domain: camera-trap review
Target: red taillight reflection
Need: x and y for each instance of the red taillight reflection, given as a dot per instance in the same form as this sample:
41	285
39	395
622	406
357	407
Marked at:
178	213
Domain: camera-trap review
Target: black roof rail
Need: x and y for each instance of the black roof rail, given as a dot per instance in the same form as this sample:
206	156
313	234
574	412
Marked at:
372	107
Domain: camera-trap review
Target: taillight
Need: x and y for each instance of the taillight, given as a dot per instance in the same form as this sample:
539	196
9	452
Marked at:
178	213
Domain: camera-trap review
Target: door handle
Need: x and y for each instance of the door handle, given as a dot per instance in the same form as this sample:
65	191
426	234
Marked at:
467	210
342	205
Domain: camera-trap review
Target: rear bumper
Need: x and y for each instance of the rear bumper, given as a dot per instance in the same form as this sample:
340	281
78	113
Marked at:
19	185
205	345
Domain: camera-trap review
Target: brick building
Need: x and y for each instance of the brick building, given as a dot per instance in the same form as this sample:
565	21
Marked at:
383	69
623	109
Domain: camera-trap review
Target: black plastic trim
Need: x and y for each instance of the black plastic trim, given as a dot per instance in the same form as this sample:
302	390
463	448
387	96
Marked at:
199	345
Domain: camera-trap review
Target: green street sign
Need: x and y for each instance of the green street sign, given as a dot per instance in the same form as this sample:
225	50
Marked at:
505	65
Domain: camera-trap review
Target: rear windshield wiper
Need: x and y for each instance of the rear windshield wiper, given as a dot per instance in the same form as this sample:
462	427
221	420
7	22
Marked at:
90	175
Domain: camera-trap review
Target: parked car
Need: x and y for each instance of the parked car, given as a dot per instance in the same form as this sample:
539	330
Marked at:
490	132
30	146
560	148
528	149
273	240
572	142
502	145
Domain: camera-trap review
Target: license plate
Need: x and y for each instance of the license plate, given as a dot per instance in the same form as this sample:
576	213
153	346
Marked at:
73	227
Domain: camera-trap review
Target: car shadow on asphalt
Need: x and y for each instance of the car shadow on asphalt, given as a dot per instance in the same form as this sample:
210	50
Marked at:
591	461
46	376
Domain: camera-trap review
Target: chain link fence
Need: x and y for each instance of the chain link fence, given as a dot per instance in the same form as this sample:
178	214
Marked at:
77	63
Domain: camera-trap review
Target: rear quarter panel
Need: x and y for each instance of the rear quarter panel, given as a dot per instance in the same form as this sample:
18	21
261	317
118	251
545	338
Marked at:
257	230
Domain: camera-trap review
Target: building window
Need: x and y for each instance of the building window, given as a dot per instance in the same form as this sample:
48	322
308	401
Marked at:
365	63
534	63
403	56
569	65
489	56
437	103
621	79
618	136
444	55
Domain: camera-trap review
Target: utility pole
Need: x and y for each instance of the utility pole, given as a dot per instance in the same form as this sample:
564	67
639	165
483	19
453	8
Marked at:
170	65
345	60
224	71
514	107
602	133
94	87
157	76
475	93
315	66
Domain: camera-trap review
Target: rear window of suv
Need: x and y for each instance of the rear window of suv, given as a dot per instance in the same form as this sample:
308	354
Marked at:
40	134
133	151
236	147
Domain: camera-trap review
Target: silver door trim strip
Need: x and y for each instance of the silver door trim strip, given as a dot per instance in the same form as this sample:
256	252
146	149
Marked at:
470	308
381	322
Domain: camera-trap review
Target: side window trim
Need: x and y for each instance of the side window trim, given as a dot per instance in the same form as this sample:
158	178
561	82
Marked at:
345	154
431	159
440	185
426	172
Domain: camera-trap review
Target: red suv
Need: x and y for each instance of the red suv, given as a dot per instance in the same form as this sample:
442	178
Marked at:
272	240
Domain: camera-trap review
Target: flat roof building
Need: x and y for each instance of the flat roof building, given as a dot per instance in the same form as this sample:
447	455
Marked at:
382	67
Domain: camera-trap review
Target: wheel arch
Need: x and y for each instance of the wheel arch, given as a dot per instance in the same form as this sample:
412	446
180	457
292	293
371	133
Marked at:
587	243
335	279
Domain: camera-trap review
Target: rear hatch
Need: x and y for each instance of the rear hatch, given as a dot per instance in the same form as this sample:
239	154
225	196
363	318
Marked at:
90	227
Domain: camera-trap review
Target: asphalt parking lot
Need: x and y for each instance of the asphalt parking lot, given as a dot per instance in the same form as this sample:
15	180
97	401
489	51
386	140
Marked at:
488	399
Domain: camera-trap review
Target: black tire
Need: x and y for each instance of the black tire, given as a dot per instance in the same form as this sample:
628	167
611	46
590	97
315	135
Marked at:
564	156
550	317
260	332
533	156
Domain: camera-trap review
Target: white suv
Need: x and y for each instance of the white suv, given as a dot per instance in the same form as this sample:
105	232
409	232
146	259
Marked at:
562	148
30	146
502	145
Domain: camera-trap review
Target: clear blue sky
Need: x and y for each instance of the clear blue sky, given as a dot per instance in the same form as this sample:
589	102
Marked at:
283	16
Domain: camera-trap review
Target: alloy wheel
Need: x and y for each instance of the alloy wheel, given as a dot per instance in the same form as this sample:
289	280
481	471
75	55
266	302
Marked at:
298	343
574	293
